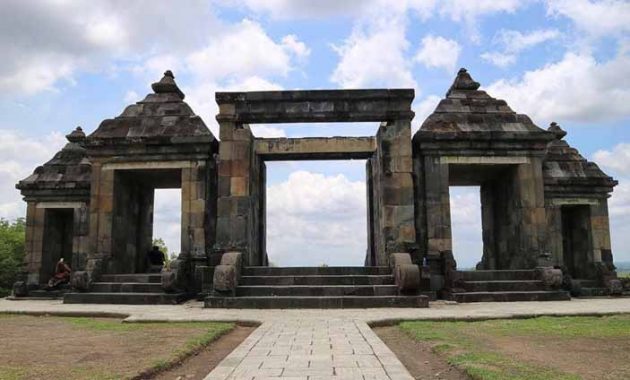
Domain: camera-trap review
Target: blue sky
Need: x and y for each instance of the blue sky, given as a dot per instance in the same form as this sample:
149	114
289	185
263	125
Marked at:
69	63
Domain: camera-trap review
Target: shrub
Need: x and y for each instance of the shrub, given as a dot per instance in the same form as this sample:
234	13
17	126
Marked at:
11	252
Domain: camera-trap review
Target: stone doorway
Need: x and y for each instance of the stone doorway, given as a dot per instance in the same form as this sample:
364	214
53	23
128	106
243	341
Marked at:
324	206
57	240
466	225
242	173
576	239
132	219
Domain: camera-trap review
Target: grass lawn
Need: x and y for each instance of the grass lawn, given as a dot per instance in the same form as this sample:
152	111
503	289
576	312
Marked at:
537	348
96	348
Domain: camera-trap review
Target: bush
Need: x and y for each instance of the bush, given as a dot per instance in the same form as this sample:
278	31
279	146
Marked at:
11	252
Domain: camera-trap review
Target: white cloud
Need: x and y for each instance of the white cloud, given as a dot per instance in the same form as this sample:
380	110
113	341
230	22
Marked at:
375	55
245	50
615	163
423	109
597	18
167	218
466	226
15	165
469	12
326	217
131	97
438	52
263	130
513	42
291	9
499	59
576	88
617	159
45	42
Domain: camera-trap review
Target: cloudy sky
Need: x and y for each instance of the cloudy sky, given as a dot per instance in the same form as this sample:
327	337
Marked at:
68	63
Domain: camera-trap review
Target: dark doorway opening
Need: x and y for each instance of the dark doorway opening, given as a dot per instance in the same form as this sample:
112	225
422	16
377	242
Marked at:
132	224
58	234
576	238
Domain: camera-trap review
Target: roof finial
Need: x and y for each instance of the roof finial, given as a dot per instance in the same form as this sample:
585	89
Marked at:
555	129
76	136
463	81
167	85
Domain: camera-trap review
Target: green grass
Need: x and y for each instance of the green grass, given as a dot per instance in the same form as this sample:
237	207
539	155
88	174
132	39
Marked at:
462	345
11	373
625	274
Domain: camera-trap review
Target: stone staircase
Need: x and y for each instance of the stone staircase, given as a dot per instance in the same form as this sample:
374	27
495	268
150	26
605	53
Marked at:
317	287
504	286
130	289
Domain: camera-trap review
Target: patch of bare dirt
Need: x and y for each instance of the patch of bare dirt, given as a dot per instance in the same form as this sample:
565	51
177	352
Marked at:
198	366
589	358
417	357
55	348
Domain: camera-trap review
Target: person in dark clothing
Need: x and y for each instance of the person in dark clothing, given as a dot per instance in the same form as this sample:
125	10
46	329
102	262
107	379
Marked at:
155	259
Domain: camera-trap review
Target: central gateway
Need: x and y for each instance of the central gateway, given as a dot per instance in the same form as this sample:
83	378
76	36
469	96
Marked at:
544	206
242	156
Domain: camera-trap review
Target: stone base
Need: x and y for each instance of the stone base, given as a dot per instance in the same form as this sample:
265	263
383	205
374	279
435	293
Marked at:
349	302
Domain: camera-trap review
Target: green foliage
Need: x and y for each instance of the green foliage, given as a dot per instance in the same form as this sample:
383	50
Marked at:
11	252
159	242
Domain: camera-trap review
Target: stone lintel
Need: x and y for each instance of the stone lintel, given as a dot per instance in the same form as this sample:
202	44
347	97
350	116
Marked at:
315	106
573	201
498	160
148	165
60	204
324	148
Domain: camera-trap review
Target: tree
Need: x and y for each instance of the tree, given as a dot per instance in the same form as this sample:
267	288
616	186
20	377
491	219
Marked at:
12	236
159	242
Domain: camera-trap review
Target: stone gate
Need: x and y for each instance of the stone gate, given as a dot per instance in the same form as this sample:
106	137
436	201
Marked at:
544	206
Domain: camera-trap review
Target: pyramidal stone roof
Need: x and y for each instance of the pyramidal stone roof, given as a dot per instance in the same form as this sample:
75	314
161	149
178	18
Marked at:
161	117
564	166
69	169
468	112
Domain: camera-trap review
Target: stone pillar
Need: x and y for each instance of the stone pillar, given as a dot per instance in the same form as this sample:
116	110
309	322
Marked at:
80	239
35	221
437	205
488	224
235	202
529	222
393	186
600	228
553	214
101	216
194	196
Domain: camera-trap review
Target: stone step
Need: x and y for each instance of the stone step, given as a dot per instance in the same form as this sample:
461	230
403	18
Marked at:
317	280
504	286
125	298
126	287
510	296
347	302
314	271
317	291
153	278
499	275
594	292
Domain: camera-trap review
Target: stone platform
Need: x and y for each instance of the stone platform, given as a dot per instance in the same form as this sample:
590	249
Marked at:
317	288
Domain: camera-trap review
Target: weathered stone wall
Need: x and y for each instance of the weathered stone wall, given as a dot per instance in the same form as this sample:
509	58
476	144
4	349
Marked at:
236	204
393	195
54	230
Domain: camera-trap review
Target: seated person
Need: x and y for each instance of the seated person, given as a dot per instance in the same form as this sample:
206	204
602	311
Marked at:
61	276
155	259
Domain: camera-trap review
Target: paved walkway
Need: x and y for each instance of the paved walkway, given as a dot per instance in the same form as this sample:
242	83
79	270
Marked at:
311	349
318	344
